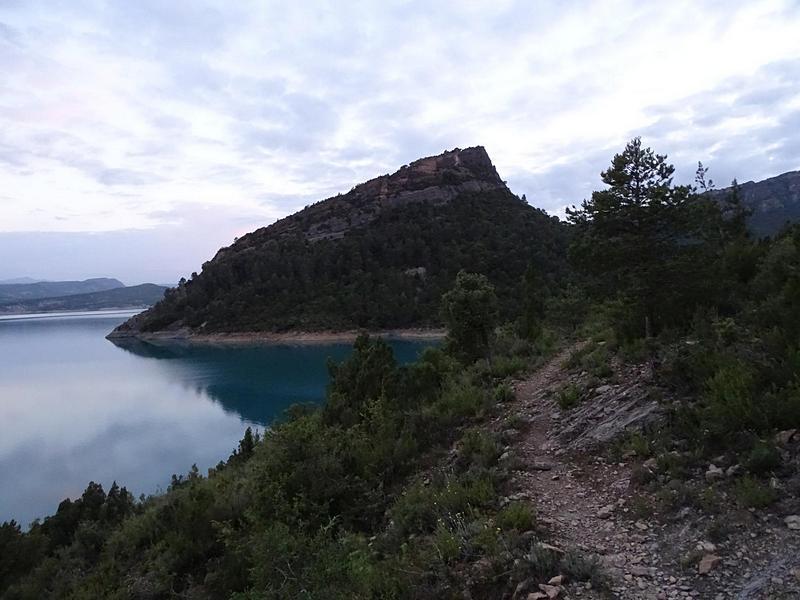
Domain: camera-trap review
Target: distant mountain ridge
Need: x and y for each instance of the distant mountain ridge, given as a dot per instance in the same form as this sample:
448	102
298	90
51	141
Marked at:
16	280
136	296
12	292
377	257
774	202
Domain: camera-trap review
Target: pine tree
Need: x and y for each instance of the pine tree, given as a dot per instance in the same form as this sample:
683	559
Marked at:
469	311
643	241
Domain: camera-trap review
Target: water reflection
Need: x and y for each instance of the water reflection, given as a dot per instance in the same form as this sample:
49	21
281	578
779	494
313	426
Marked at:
256	382
75	408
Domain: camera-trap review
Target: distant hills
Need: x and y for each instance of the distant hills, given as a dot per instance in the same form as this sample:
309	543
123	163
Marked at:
377	257
91	294
774	202
12	292
20	280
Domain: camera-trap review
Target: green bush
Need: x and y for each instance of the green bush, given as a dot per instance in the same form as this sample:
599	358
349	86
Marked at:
763	458
461	398
636	443
447	545
503	393
541	562
674	465
420	508
480	448
575	358
598	362
730	402
569	396
516	515
507	366
594	358
577	567
751	493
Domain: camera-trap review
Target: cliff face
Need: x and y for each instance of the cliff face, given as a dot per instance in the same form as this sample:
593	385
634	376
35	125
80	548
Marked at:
435	179
378	256
774	202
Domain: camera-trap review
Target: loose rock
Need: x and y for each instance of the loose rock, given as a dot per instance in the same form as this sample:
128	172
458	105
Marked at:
606	511
707	563
714	473
784	437
551	591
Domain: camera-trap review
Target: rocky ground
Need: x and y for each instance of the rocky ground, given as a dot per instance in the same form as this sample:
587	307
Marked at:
587	502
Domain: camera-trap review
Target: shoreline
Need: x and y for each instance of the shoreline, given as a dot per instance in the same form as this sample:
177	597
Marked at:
16	316
289	337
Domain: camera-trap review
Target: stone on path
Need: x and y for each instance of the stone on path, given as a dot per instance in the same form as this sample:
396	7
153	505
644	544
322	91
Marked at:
606	511
707	563
552	591
714	473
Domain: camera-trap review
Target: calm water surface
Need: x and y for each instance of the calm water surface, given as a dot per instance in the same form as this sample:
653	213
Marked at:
74	407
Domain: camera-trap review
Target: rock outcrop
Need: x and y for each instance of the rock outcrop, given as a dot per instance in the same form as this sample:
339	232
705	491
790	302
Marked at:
774	202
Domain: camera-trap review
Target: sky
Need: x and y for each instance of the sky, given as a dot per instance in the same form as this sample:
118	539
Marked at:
136	138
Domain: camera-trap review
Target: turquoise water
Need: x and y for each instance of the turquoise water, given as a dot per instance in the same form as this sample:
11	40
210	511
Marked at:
75	407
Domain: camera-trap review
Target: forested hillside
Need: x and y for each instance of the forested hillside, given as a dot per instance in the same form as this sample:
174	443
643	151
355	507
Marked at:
377	257
773	203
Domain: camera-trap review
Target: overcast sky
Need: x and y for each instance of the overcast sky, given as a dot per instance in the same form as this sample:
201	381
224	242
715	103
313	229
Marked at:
137	137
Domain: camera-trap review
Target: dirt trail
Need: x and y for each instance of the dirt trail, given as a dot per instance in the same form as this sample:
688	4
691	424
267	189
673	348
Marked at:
586	503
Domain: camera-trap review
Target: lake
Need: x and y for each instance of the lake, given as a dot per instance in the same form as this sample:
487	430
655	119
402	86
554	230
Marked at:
75	407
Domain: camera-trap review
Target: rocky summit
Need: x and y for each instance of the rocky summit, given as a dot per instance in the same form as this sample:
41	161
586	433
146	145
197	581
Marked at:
435	179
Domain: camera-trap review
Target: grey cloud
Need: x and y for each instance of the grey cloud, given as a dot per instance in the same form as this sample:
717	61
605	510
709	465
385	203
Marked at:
564	184
743	153
71	151
297	123
123	177
9	35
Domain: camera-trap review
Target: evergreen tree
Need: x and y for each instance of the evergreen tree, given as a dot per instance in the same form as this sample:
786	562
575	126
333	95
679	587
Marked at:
533	304
644	241
469	311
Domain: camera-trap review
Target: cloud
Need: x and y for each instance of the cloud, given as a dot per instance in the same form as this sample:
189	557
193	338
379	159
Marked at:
116	115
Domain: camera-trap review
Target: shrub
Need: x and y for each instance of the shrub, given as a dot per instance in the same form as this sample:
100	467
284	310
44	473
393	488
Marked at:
641	476
460	398
517	515
730	402
503	393
636	443
578	567
569	396
598	362
576	356
763	458
751	493
480	448
446	543
507	366
641	507
515	421
636	351
541	562
420	508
